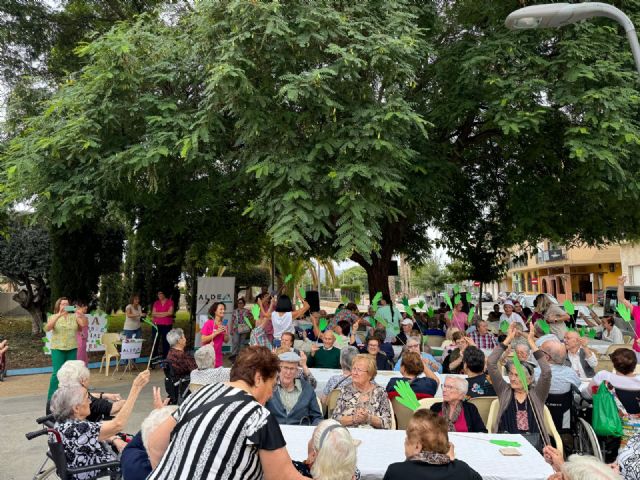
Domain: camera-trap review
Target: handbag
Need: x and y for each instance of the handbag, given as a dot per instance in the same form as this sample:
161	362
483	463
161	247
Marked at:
606	420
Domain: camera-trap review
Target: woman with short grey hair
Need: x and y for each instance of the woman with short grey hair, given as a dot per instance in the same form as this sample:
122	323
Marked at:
206	374
461	416
103	405
347	355
181	362
84	441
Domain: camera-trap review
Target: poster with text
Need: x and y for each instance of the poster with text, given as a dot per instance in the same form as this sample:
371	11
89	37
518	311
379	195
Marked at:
130	349
210	291
97	327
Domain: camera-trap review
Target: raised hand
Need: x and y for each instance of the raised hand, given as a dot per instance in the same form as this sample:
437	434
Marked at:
142	379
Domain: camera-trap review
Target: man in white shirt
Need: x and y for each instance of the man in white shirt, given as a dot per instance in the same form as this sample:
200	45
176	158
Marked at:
510	316
583	360
610	332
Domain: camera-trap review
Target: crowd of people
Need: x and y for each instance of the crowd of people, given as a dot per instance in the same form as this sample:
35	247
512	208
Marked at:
229	425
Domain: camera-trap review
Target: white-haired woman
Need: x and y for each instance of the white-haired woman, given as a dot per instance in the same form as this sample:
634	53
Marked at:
103	405
461	416
181	361
84	441
206	374
347	355
579	467
332	453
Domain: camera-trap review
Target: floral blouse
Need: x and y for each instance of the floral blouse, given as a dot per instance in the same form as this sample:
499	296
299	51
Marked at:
377	404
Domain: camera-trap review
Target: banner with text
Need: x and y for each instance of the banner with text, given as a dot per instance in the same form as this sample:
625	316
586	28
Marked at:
97	327
210	291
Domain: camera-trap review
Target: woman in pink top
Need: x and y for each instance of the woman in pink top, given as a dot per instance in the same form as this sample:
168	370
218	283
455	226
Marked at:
214	331
83	332
635	314
459	318
162	314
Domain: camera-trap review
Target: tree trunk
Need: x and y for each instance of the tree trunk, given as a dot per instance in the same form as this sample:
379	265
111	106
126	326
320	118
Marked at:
480	300
32	298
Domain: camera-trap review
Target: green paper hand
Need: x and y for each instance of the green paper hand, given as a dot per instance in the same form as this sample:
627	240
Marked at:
288	278
624	312
45	349
407	396
408	310
248	322
472	312
255	311
592	333
456	288
520	372
544	326
569	307
376	300
421	304
504	326
456	299
323	324
582	331
44	339
505	443
382	322
430	312
149	322
303	293
344	299
468	297
447	299
405	301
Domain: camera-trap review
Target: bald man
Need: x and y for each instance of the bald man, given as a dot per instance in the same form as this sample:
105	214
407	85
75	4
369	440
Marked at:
562	376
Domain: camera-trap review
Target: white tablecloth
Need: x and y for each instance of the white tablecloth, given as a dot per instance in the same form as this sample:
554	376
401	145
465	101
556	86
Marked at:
379	448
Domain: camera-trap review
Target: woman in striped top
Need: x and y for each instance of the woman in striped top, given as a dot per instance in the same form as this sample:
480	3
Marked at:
223	431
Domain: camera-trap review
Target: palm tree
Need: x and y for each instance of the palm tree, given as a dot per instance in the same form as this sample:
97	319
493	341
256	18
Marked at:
298	268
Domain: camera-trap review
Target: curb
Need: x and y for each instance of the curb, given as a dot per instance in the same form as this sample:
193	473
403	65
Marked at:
40	370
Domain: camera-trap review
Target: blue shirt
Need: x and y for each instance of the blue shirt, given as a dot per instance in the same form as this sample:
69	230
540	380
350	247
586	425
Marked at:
428	356
134	461
562	377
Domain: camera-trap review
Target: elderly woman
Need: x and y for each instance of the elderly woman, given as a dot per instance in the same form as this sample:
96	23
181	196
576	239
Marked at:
411	367
331	453
103	405
206	374
623	377
188	445
413	345
453	362
181	361
520	412
552	313
84	441
339	381
428	452
363	403
461	416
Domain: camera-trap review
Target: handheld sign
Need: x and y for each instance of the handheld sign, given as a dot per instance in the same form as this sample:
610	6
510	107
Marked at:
591	333
248	322
456	288
520	371
431	311
456	299
624	312
323	324
376	300
447	299
504	326
303	293
421	304
407	397
569	307
149	322
582	331
382	321
472	312
544	326
255	311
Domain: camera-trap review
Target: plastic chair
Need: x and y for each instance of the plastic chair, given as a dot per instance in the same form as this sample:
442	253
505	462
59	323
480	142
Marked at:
615	346
109	341
426	403
332	401
493	415
402	414
483	404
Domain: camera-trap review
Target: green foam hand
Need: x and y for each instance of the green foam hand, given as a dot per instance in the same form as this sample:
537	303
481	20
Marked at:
450	314
248	322
624	312
407	397
303	293
456	299
571	329
431	311
323	324
520	371
468	296
149	322
405	301
504	326
288	278
44	339
421	304
255	311
544	326
505	443
376	300
569	307
344	299
382	322
582	331
456	288
472	312
45	349
447	300
591	333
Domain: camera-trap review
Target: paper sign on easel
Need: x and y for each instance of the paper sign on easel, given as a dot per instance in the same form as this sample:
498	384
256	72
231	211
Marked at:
97	327
131	350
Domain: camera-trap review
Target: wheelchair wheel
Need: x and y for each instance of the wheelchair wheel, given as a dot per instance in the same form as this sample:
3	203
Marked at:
586	441
46	473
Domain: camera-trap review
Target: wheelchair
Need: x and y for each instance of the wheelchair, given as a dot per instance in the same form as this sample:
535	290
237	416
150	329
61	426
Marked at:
56	454
571	418
177	387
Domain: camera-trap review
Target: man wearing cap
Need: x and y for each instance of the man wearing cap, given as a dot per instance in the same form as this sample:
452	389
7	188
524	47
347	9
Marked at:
294	401
510	316
401	338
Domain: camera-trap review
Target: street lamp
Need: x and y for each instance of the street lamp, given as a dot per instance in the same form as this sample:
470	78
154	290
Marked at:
554	15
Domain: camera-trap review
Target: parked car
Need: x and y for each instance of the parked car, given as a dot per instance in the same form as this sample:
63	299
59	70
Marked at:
487	297
502	296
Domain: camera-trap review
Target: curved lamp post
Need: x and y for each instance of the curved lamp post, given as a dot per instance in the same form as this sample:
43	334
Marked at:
555	15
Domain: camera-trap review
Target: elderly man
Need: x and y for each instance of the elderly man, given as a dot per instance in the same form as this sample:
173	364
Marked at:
482	337
294	401
181	362
407	327
580	357
562	376
326	357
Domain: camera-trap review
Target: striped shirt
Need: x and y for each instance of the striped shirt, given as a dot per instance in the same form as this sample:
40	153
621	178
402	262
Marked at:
222	442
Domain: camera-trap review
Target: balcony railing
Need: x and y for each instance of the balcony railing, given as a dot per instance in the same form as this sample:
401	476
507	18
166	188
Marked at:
546	256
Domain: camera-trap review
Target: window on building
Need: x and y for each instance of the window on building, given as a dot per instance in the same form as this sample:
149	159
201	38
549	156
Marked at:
634	275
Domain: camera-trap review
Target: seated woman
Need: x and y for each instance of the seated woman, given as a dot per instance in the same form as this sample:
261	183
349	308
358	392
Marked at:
342	380
429	455
453	362
84	441
363	403
413	345
103	405
461	416
520	412
624	363
411	367
181	361
286	344
331	453
449	343
206	374
252	447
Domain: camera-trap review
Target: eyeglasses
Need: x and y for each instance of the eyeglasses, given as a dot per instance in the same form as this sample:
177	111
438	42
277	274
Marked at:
358	370
448	387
